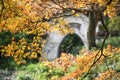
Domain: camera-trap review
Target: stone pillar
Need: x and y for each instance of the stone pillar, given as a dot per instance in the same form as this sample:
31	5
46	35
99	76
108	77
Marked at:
52	46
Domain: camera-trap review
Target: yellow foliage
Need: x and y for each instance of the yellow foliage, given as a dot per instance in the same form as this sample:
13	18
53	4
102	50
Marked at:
108	75
31	17
82	64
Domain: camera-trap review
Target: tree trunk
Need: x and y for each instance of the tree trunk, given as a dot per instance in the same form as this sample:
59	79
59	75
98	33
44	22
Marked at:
91	30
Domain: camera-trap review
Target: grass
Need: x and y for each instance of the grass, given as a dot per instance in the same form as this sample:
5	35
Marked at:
38	71
114	41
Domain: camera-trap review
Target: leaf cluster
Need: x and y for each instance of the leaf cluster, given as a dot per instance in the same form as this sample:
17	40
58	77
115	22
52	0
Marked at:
74	67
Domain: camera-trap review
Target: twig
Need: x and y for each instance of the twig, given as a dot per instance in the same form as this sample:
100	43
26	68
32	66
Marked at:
101	49
55	17
108	67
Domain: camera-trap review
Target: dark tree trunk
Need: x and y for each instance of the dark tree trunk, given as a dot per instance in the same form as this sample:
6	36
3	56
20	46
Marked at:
91	30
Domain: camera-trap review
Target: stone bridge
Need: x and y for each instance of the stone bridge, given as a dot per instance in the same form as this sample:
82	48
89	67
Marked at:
79	24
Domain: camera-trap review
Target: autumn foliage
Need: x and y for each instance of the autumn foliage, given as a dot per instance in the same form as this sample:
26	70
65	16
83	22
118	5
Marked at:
23	17
81	64
34	17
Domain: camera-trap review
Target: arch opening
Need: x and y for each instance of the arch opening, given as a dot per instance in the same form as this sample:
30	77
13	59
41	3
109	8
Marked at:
71	43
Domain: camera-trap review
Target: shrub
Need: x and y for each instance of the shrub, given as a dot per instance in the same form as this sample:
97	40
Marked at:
75	67
114	23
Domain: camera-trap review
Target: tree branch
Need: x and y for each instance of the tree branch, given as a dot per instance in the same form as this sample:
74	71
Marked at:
68	9
101	49
105	6
55	17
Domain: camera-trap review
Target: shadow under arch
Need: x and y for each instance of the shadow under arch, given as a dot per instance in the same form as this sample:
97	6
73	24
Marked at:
71	43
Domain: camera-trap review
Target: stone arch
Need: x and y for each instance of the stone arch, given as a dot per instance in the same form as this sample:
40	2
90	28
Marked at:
79	24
